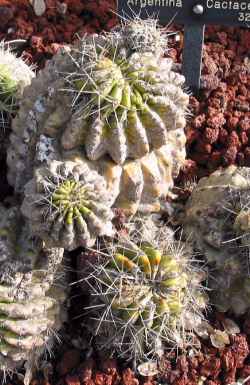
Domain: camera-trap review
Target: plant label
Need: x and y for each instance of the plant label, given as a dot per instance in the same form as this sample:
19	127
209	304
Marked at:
194	14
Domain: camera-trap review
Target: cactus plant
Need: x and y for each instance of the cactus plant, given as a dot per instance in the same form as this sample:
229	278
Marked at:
68	205
113	98
30	302
146	294
217	220
126	106
15	75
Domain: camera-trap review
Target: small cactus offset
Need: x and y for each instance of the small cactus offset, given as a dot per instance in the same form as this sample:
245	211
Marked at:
15	75
142	36
111	98
146	295
68	205
30	303
217	220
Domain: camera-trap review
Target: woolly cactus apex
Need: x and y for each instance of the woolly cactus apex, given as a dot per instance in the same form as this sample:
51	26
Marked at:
143	295
30	311
217	219
68	205
101	98
143	35
15	75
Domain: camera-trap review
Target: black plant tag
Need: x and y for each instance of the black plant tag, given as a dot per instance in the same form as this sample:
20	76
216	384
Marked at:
221	12
194	15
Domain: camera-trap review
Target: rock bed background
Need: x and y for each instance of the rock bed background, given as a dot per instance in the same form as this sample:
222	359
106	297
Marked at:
218	134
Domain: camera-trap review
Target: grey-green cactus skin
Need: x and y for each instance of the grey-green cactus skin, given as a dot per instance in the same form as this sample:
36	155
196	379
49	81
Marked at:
31	298
142	112
217	220
146	295
68	205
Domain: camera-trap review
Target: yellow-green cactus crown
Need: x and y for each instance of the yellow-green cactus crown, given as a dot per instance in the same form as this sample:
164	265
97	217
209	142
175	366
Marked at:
71	199
144	292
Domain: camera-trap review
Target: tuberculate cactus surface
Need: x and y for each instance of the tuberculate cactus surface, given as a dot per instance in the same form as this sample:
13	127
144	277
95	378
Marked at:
217	219
68	205
112	98
146	295
30	294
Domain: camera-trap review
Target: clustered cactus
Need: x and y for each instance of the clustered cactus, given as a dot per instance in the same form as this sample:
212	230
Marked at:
108	103
217	220
102	128
30	294
146	294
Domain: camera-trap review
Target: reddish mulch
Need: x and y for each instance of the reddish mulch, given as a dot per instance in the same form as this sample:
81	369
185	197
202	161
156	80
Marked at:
218	134
210	365
62	22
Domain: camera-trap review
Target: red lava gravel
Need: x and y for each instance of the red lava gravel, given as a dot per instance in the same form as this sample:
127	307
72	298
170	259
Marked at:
208	367
218	134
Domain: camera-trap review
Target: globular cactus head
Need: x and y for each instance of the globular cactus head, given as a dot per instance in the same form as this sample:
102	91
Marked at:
128	100
68	205
15	75
30	304
107	100
217	221
146	295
